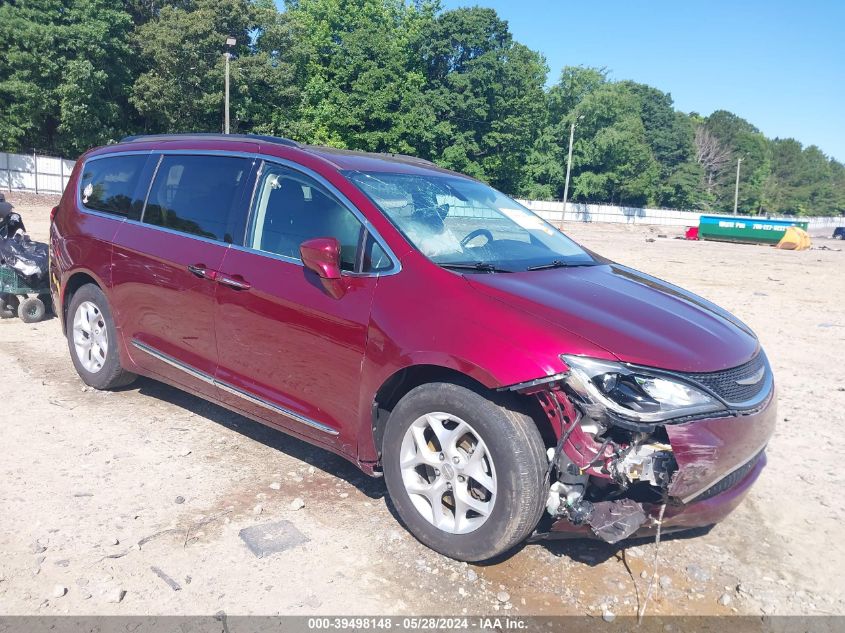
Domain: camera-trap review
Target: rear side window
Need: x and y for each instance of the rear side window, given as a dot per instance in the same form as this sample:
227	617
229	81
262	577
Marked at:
198	195
109	184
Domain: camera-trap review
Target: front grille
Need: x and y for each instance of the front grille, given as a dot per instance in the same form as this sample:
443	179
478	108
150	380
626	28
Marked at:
730	481
724	383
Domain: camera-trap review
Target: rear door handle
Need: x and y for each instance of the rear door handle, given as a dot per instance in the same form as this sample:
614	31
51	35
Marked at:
237	284
201	271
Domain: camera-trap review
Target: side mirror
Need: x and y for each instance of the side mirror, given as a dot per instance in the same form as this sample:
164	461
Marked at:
322	255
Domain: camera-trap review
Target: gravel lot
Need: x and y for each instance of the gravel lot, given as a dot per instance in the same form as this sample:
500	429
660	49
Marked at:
133	502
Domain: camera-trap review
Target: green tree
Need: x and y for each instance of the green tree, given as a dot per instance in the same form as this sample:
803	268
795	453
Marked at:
612	161
746	142
268	81
363	87
546	163
803	180
64	74
486	95
181	88
669	135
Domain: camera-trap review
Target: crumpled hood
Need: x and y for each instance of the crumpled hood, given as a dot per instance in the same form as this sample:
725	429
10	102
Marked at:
637	318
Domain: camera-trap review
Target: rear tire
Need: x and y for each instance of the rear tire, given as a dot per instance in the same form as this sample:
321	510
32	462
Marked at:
32	310
93	341
465	507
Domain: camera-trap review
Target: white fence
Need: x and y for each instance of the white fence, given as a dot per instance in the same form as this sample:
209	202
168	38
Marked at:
553	212
30	172
48	174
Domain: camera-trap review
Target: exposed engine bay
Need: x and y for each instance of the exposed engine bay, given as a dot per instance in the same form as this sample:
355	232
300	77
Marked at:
631	439
600	473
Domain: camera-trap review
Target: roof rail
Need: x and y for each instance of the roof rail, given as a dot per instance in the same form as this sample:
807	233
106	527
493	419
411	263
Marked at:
278	140
409	159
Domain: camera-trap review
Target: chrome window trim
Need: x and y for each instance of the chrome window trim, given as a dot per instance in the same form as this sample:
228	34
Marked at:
266	158
209	379
281	258
102	214
170	231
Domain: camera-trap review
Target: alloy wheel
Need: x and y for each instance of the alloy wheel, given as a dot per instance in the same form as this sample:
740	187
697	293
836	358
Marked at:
448	472
90	336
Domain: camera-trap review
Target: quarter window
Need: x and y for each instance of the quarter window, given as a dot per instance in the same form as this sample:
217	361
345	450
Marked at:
108	185
198	195
291	208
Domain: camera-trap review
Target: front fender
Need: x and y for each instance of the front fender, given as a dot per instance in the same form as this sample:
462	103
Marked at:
429	316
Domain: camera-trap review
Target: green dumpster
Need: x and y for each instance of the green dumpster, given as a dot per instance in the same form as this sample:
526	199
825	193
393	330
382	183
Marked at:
730	228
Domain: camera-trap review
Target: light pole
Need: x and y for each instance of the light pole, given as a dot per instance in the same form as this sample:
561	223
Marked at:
568	169
230	42
736	190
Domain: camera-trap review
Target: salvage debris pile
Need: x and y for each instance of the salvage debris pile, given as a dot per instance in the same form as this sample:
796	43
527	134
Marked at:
17	250
23	269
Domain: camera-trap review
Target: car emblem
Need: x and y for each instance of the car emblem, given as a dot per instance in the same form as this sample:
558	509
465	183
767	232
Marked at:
753	379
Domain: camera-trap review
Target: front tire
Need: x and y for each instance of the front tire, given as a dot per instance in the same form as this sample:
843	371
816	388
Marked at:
465	473
92	340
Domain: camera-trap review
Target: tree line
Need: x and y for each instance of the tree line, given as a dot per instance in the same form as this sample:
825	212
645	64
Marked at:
399	76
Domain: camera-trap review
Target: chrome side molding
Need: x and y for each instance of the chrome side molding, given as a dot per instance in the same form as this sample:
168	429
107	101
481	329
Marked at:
209	379
195	373
273	407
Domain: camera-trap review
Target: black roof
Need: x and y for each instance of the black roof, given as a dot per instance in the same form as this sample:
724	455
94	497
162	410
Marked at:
278	140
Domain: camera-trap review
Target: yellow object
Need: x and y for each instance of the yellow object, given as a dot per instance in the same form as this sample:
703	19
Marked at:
794	239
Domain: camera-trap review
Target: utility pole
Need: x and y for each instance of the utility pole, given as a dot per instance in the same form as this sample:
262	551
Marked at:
736	190
230	42
568	169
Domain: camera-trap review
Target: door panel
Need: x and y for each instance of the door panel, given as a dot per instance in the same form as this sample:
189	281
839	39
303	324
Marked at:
163	305
289	343
165	266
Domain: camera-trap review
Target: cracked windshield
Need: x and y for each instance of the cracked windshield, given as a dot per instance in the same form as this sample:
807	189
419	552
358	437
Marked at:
464	224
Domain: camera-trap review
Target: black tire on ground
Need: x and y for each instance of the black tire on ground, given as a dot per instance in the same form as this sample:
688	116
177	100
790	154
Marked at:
516	448
111	375
31	310
8	306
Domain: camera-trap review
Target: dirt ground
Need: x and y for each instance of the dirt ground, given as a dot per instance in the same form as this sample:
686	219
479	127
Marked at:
96	489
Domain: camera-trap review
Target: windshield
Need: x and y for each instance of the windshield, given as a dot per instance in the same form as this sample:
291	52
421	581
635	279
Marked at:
465	224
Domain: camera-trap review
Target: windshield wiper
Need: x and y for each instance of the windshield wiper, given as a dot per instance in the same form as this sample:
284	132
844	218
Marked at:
557	263
484	267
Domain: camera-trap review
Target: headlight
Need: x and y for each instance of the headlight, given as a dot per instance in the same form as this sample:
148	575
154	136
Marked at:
634	392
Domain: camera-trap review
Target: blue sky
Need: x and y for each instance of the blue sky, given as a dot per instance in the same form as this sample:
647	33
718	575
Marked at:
780	65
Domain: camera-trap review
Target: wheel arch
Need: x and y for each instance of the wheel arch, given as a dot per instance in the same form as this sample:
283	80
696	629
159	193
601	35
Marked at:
402	381
74	282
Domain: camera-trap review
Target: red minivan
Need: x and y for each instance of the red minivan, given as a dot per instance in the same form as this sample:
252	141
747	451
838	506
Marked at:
504	380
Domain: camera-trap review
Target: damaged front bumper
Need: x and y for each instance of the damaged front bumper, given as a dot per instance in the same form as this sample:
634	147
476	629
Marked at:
611	483
677	517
